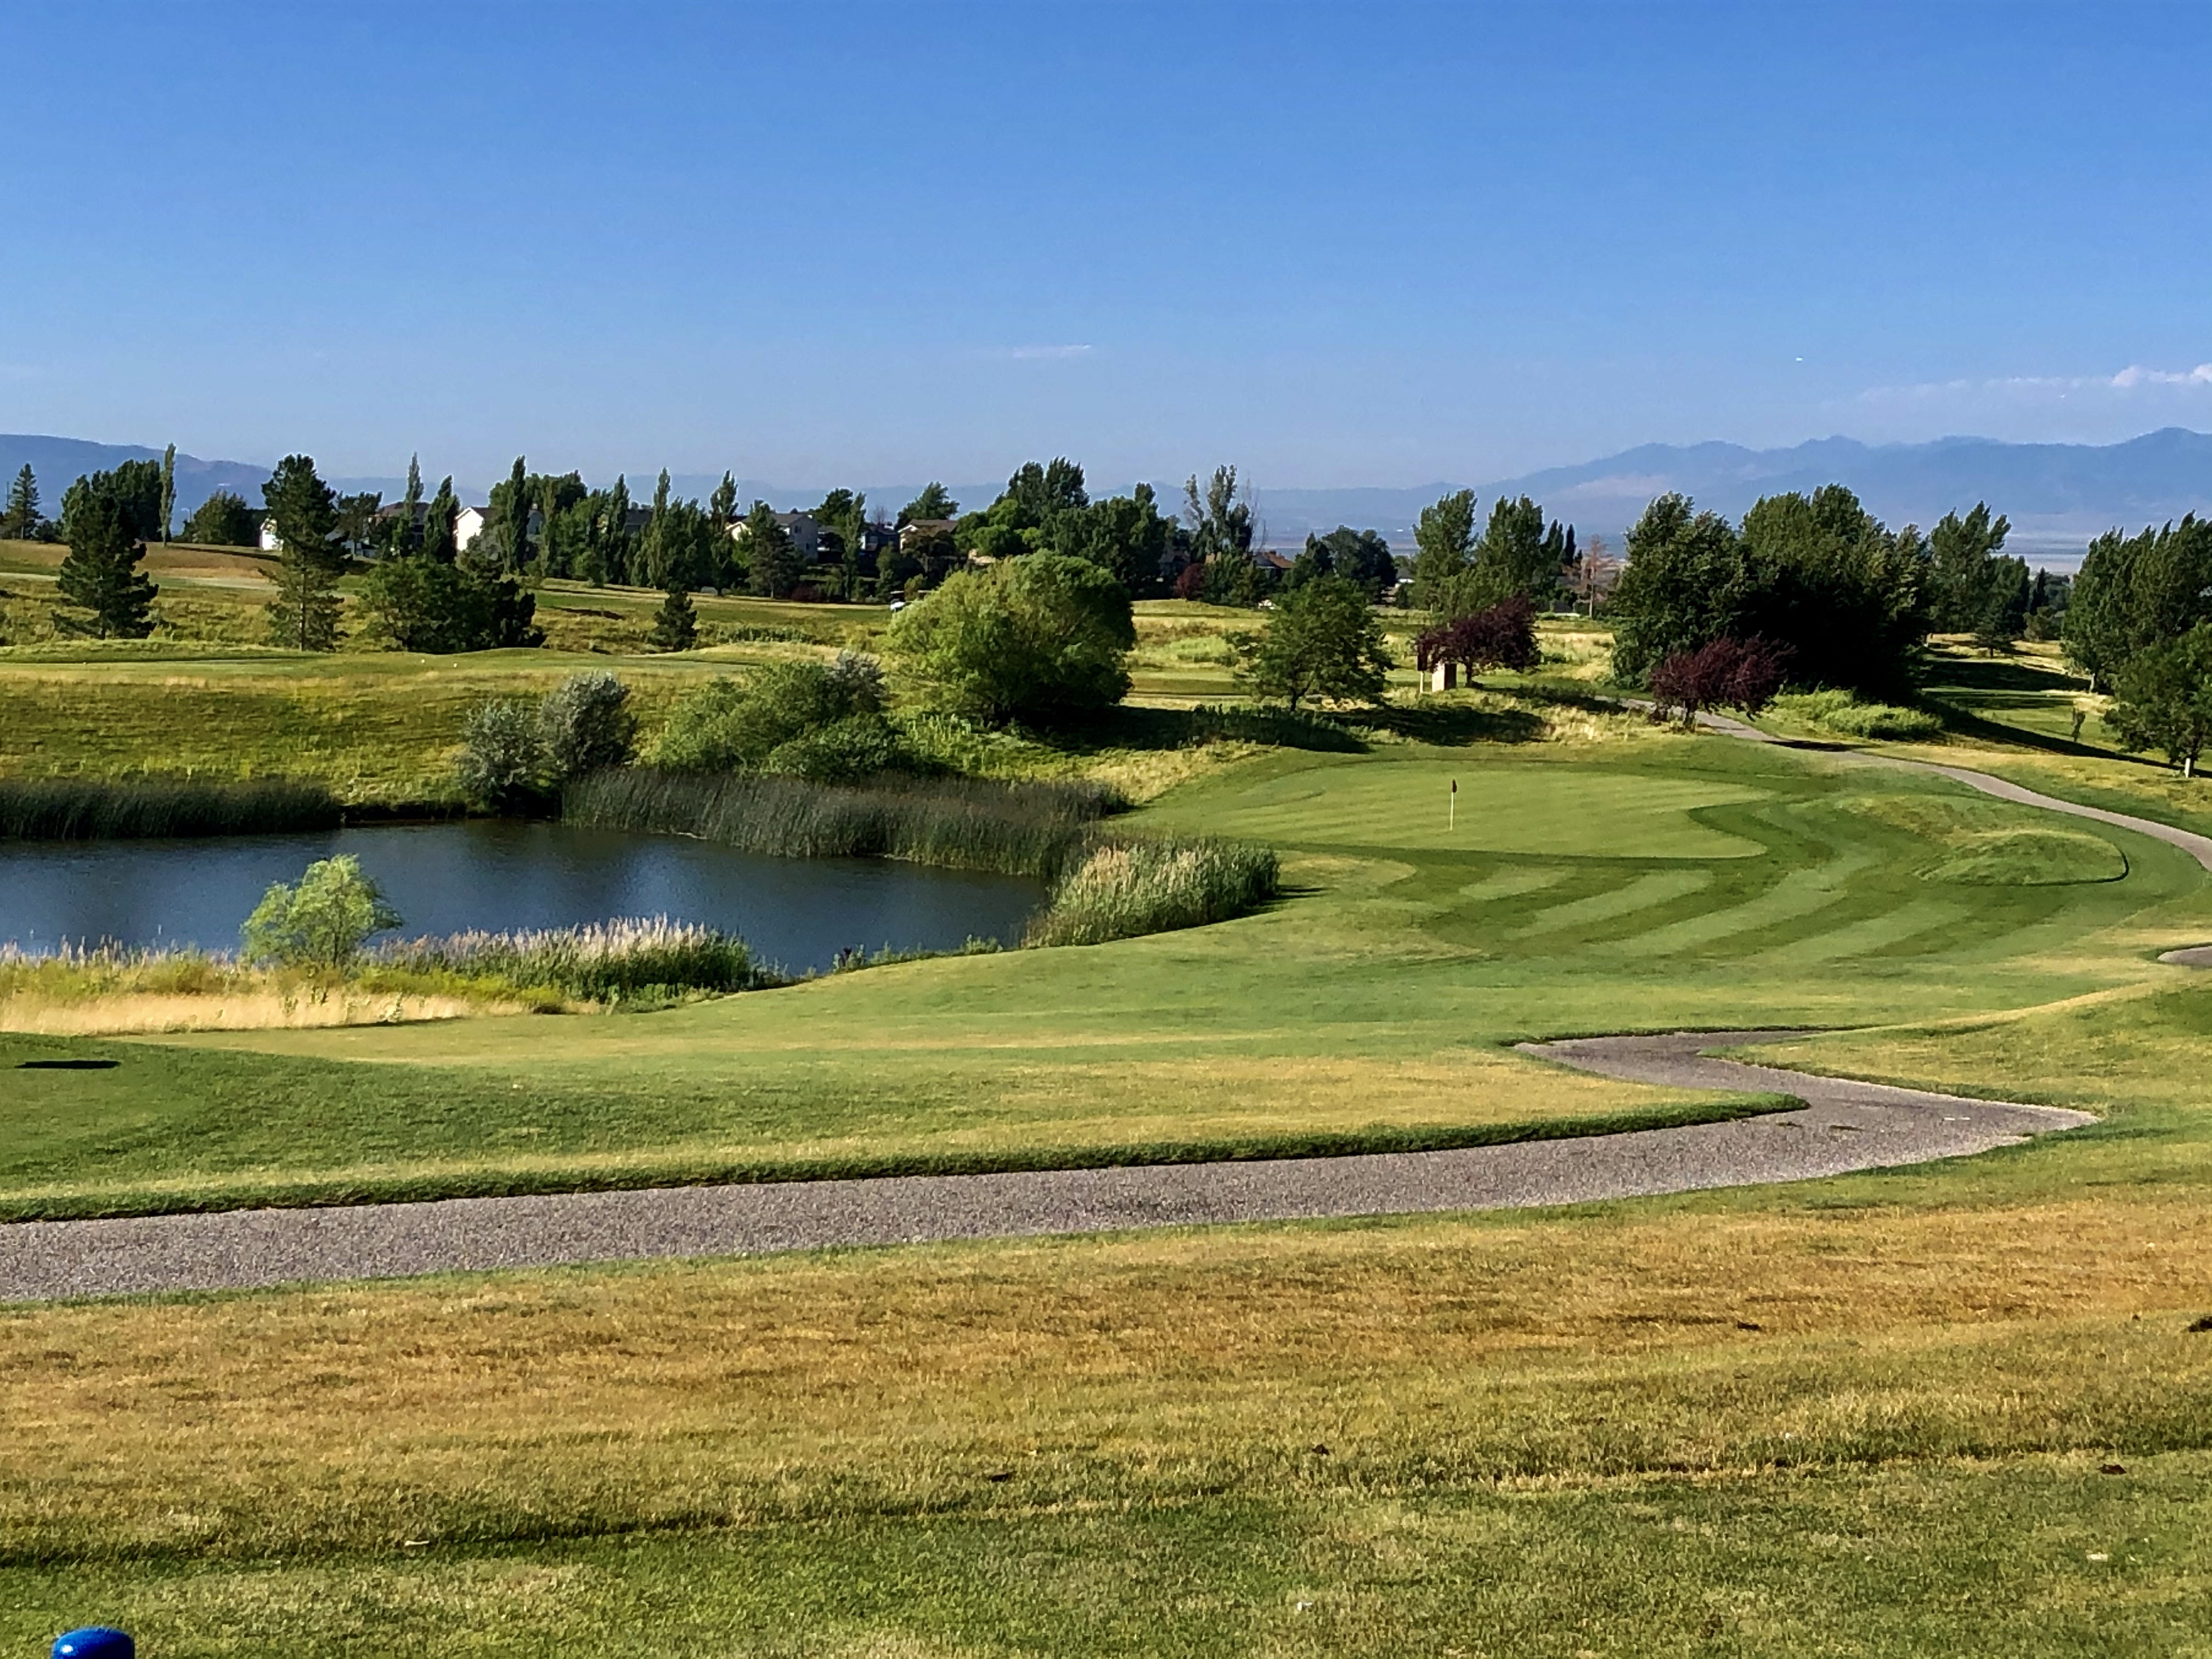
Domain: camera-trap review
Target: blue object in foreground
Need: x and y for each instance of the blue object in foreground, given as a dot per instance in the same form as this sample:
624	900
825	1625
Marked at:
95	1642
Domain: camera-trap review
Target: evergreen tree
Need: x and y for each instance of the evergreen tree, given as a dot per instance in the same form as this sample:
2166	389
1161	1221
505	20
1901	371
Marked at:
20	521
303	512
722	505
168	490
772	560
675	624
100	573
935	502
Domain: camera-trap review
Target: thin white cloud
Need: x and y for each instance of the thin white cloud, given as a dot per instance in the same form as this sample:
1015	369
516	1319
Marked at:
1037	352
2133	378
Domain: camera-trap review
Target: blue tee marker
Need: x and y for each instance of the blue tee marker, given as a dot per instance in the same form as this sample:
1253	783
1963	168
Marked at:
95	1642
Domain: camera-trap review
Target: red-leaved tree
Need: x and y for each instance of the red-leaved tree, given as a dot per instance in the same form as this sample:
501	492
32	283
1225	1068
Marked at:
1504	636
1740	674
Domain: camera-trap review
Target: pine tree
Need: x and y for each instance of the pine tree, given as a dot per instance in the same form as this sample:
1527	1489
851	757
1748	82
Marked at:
168	490
20	522
722	505
515	533
438	523
675	624
303	512
101	573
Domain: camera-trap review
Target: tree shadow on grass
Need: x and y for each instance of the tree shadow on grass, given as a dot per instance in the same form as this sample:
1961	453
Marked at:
1451	726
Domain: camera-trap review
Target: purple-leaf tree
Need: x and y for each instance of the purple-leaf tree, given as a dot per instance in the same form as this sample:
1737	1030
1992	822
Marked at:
1504	636
1744	675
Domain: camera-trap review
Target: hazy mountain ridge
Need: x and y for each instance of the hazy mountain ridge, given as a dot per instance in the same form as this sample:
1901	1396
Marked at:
2058	495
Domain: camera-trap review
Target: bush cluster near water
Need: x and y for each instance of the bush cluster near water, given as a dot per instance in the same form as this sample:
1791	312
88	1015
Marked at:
1123	888
607	962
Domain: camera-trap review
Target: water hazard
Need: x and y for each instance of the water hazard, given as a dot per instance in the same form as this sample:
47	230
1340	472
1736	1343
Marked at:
445	878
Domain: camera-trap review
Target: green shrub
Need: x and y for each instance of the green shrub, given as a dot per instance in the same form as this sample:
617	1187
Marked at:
1123	889
586	724
1840	712
843	751
323	922
1280	728
731	725
503	755
94	809
610	961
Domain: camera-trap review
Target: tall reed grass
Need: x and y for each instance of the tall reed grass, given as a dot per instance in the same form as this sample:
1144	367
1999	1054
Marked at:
610	961
1038	829
95	809
1126	888
1279	728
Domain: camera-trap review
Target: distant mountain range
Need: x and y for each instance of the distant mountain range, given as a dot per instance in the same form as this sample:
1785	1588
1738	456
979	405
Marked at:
2058	495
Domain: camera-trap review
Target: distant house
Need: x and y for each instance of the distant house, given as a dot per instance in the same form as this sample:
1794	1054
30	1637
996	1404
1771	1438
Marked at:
469	524
917	532
876	540
269	542
804	532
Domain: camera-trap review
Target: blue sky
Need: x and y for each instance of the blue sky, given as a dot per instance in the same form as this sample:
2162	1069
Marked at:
1340	244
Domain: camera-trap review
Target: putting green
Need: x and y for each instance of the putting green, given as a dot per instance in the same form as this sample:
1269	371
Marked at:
1529	807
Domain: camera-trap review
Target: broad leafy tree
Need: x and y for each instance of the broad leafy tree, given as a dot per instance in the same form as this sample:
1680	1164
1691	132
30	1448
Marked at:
1361	557
101	575
2134	591
1324	643
1444	540
1516	557
223	519
2162	698
1035	638
935	502
1740	674
1683	573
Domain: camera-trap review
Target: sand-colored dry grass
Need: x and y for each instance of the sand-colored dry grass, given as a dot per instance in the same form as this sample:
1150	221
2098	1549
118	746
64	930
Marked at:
129	1013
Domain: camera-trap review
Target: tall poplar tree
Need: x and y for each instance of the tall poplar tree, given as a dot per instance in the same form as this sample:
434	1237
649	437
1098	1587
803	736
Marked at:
168	490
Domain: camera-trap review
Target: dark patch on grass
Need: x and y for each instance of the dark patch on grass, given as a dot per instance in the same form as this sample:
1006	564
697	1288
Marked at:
481	1182
67	1065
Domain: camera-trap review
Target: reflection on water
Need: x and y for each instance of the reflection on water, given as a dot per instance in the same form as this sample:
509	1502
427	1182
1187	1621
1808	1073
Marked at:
443	878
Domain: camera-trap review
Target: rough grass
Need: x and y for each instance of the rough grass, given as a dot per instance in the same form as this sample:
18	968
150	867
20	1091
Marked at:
1128	888
86	809
611	961
971	824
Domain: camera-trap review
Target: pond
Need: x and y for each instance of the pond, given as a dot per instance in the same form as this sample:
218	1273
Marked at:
495	874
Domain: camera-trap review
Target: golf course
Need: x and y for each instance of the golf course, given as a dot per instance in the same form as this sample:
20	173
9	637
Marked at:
1954	1403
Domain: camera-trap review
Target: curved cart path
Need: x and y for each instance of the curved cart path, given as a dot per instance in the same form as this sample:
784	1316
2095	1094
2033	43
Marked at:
1844	1127
2198	846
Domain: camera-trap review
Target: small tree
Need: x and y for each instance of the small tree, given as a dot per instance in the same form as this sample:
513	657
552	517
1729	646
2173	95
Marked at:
323	921
1740	674
586	724
303	512
223	519
100	573
1325	642
675	624
2163	699
1502	636
20	521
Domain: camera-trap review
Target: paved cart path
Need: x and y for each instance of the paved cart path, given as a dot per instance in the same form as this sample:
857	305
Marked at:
1844	1127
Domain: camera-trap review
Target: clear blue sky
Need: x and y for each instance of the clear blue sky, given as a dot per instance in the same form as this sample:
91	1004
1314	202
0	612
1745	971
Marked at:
1353	244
